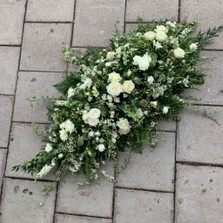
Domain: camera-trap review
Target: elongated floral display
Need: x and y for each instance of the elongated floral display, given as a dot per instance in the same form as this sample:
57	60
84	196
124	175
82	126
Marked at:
116	96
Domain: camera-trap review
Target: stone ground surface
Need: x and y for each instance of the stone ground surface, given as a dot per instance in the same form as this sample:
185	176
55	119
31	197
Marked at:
180	181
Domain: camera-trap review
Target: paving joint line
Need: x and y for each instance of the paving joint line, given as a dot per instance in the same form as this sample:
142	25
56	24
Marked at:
191	163
145	190
125	11
42	71
28	179
87	47
179	11
82	215
207	105
13	104
7	95
10	45
49	22
30	123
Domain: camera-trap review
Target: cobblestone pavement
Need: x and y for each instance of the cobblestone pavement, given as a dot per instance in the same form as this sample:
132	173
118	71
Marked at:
180	181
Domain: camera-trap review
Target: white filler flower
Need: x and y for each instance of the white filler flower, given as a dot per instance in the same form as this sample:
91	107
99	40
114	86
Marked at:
128	86
150	79
48	147
86	84
101	147
114	89
63	135
161	36
123	125
150	35
70	92
165	109
68	126
193	47
179	53
143	62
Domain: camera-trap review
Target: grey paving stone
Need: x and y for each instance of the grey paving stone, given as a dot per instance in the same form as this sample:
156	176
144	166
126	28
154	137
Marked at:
152	170
93	200
199	194
166	125
94	27
11	21
6	103
50	10
41	46
211	92
24	145
133	206
34	84
200	138
9	57
207	13
20	202
149	10
61	218
3	153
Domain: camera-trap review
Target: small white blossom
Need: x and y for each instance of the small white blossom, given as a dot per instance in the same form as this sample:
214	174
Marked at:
70	92
154	103
48	147
124	126
165	109
193	46
60	156
67	125
91	134
161	28
157	45
101	147
150	79
110	55
103	97
63	135
143	62
116	99
97	133
86	84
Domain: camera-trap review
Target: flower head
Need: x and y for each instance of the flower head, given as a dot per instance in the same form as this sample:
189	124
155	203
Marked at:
179	53
124	126
114	89
143	62
128	86
114	77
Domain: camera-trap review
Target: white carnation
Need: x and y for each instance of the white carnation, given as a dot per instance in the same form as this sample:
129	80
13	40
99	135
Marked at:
48	147
128	86
150	79
67	125
165	109
94	113
114	77
161	28
161	36
114	89
124	126
101	147
70	92
193	46
179	53
143	62
110	55
150	35
63	135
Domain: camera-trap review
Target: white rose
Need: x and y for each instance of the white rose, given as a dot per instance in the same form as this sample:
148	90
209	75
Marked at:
114	89
48	147
179	53
70	92
114	77
150	35
93	121
193	46
63	135
94	113
161	36
128	86
110	55
101	147
165	109
68	126
86	84
150	79
143	62
124	126
161	28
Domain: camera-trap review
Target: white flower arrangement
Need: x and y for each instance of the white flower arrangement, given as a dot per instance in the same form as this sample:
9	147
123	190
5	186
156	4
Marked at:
118	96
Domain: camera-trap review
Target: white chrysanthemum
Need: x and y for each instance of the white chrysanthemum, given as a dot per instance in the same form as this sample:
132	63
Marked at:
93	121
150	35
86	84
110	55
67	125
114	77
124	126
143	62
101	147
150	79
161	28
114	89
128	86
70	92
179	53
48	147
94	113
193	47
63	135
165	109
161	36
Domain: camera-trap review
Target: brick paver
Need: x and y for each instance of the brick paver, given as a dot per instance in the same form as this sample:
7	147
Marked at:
41	46
180	181
9	57
32	84
5	119
199	194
